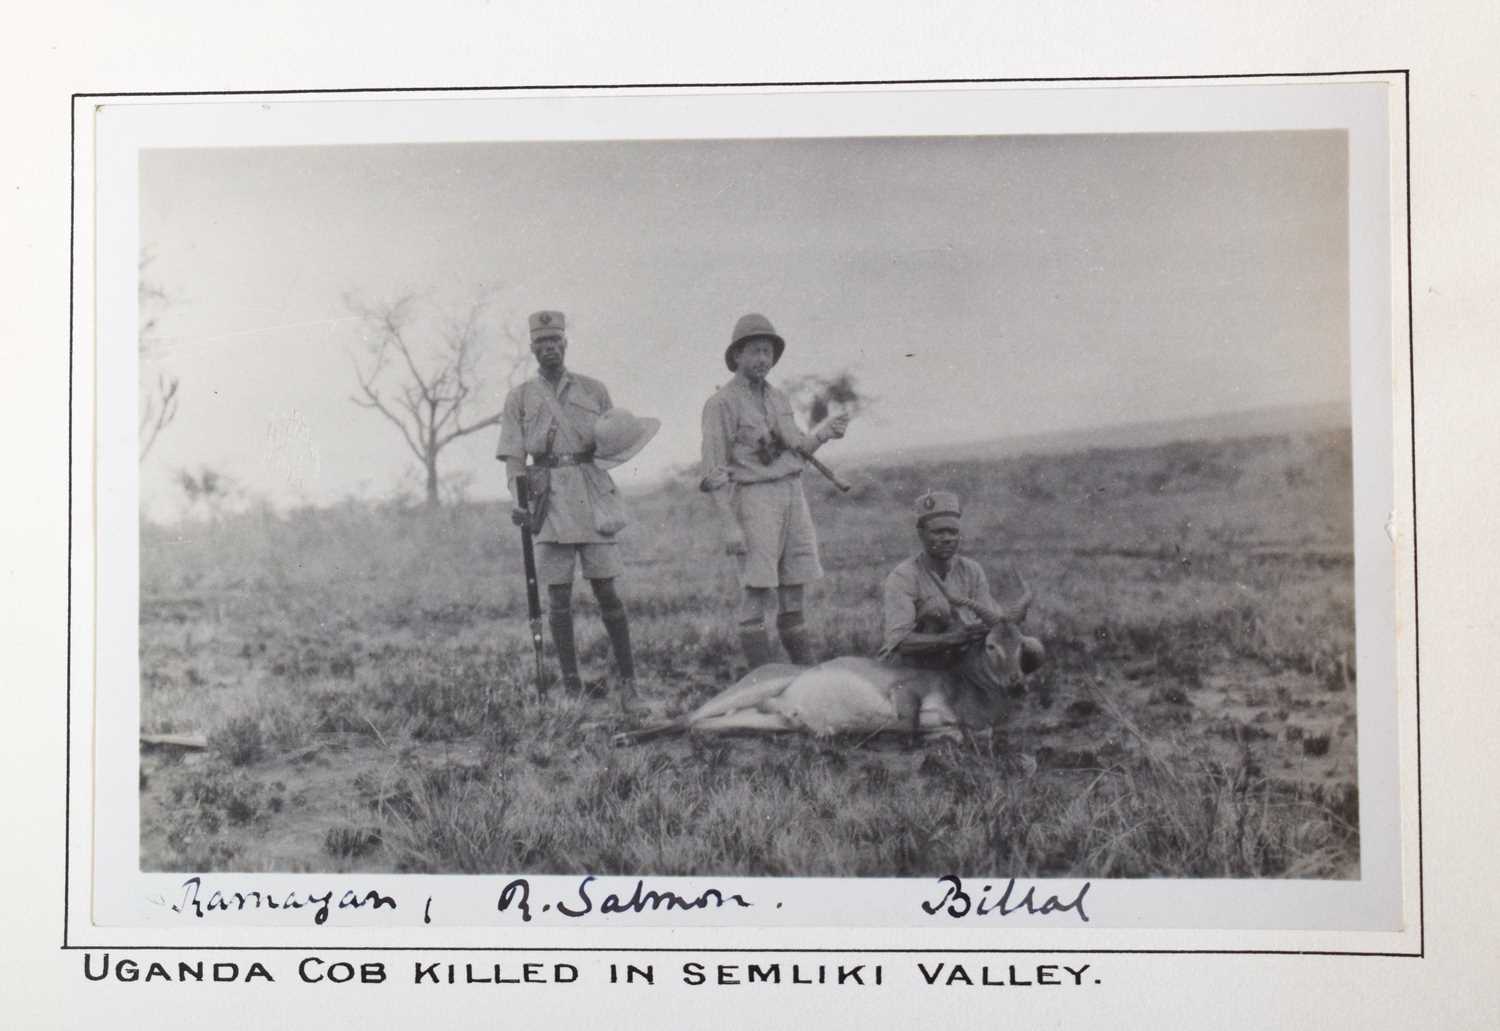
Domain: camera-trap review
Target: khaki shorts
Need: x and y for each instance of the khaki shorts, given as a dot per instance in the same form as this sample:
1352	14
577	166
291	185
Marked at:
781	546
557	563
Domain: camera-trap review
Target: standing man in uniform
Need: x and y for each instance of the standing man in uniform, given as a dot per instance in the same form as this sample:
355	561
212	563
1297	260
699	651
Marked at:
938	602
753	456
551	417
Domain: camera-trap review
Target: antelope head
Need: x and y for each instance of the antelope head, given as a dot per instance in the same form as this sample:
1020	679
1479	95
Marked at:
1008	656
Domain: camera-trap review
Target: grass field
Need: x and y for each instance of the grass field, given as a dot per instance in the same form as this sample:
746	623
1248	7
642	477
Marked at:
362	674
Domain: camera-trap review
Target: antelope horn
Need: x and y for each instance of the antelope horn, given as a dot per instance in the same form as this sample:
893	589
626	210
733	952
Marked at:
1024	602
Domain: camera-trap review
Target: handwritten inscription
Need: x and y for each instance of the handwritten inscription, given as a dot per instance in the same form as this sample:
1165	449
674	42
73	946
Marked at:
958	903
590	899
193	903
517	895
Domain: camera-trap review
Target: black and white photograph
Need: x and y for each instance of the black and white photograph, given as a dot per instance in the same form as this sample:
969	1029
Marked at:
1093	427
831	515
781	507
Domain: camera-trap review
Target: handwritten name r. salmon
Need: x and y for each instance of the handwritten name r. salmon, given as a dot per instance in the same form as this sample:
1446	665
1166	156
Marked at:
517	895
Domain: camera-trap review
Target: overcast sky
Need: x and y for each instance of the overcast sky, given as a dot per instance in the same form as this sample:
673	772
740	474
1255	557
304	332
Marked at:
978	287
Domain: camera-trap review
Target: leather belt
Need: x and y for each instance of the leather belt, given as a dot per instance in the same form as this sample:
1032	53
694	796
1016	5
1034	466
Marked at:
566	458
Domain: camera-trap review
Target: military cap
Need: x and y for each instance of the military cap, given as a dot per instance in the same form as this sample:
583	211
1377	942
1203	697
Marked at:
749	327
546	324
938	503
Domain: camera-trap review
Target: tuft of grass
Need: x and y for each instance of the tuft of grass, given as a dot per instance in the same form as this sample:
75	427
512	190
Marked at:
351	842
239	740
1316	744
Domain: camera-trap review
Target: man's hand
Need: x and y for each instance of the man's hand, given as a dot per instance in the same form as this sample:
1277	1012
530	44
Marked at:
734	540
834	429
714	480
984	612
520	516
963	636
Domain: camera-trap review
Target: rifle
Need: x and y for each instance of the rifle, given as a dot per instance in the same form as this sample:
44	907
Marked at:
833	477
533	595
767	455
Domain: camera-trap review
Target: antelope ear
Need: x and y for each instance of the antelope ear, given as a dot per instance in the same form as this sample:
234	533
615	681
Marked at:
1033	655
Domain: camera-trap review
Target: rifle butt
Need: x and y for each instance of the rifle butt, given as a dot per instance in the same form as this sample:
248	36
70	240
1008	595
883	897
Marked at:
832	476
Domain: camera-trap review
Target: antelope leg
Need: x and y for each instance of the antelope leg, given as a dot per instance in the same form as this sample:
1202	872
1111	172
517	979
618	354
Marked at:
751	691
746	721
908	705
937	719
651	733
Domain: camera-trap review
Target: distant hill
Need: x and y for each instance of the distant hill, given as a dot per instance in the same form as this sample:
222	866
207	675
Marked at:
1290	419
1287	420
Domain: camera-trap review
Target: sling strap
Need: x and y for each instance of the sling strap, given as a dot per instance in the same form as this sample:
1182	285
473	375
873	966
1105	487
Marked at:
557	411
942	589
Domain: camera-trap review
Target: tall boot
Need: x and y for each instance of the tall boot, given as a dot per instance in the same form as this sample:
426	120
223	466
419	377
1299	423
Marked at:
617	625
754	642
793	632
560	621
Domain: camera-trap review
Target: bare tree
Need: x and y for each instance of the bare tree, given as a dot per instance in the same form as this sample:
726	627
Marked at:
210	490
427	393
158	404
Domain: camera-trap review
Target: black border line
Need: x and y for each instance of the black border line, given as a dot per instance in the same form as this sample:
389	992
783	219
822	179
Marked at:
1405	74
742	950
752	83
68	659
1416	594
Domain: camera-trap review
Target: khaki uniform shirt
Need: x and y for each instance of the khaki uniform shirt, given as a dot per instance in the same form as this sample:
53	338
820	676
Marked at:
749	436
524	425
914	604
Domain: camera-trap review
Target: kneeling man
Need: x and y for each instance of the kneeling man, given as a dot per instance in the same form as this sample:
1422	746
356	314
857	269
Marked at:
938	602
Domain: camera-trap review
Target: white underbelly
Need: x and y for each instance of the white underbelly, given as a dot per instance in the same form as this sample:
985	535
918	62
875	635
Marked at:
824	701
851	697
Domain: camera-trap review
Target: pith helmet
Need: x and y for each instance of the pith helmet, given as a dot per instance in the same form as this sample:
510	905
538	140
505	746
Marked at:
620	435
545	324
938	504
749	327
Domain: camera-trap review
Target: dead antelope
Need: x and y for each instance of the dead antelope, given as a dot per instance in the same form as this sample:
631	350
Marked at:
853	695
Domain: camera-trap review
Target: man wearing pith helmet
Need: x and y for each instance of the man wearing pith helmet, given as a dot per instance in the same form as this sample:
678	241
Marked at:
565	423
938	602
753	457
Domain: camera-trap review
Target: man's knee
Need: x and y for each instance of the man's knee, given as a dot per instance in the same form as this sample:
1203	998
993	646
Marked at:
753	603
560	597
790	598
605	594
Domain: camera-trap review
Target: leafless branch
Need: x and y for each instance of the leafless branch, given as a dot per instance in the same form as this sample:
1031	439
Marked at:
159	401
157	413
374	401
463	431
428	387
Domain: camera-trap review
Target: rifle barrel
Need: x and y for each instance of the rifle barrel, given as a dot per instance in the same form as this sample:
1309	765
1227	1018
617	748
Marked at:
533	592
833	477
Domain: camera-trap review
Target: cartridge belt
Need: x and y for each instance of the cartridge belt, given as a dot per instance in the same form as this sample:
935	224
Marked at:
566	458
